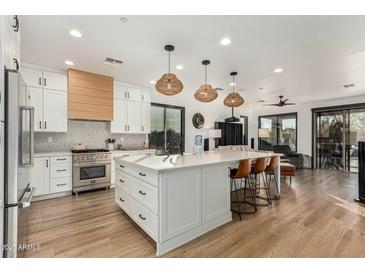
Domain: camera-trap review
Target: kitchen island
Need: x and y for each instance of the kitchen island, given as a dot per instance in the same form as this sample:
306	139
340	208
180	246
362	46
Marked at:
177	198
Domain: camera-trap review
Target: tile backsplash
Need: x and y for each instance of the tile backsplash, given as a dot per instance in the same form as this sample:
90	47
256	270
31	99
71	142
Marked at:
90	133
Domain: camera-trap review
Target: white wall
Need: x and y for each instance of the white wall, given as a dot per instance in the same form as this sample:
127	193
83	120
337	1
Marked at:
212	112
304	119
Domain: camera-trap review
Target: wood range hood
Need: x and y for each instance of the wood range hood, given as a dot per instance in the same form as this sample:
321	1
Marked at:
90	96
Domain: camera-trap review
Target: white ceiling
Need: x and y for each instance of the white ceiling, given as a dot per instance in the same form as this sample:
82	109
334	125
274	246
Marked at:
319	54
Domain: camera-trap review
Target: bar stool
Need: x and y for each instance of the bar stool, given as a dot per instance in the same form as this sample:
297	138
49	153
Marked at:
242	174
270	170
259	169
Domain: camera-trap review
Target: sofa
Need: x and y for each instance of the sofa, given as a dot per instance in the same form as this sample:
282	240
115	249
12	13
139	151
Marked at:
292	157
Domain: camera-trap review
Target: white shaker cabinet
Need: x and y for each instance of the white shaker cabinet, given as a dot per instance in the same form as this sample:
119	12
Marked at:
134	117
146	117
34	98
47	93
55	81
119	123
55	110
39	175
132	110
32	77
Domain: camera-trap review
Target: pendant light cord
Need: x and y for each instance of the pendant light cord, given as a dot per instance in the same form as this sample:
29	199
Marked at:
205	74
169	63
233	84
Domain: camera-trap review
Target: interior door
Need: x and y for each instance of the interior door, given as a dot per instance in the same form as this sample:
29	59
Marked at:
34	99
55	111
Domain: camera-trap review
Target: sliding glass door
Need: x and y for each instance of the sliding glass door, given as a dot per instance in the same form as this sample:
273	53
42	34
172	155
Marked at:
336	137
167	128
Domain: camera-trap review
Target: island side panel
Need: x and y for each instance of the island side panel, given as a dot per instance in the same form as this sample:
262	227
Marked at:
215	192
180	202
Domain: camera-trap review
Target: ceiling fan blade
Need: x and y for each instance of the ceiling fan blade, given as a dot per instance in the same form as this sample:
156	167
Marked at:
267	105
289	104
284	101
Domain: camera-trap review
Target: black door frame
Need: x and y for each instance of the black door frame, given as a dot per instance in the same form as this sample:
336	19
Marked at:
182	121
325	109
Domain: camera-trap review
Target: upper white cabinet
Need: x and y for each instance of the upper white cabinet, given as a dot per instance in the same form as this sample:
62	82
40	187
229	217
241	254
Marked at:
146	96
132	110
55	81
55	110
47	93
32	77
10	38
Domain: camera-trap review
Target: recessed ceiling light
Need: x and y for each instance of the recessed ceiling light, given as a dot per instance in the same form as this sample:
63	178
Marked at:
179	67
124	19
225	41
152	82
69	63
75	33
278	70
261	88
232	84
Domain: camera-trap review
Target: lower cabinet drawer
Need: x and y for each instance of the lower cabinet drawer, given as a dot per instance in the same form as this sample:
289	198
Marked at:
122	199
60	184
145	218
61	170
146	194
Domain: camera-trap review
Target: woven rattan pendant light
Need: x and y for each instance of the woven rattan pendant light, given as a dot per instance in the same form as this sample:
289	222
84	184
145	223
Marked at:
169	84
206	93
233	99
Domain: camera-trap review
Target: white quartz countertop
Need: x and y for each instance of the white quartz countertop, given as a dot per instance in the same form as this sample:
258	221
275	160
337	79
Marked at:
51	154
158	163
115	152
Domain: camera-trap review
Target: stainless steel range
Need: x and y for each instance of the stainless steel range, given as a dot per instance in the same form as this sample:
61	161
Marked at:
91	169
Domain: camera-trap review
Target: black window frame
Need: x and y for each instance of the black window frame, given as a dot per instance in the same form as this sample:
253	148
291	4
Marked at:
277	128
166	106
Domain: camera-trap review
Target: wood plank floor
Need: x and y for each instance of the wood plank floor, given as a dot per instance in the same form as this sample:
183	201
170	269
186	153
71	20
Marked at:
315	218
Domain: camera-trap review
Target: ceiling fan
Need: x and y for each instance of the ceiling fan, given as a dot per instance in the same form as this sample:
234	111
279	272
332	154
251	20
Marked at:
282	102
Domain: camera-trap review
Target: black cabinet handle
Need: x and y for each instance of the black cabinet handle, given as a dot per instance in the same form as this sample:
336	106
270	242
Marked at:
61	170
142	174
16	63
141	216
61	184
40	124
122	166
46	163
141	192
45	124
120	180
122	200
61	159
40	81
16	25
45	82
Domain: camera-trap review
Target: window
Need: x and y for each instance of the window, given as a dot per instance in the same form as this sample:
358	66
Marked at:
167	128
280	129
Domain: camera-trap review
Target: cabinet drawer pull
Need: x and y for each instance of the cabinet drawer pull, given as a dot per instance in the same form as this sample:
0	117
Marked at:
122	200
40	124
61	170
141	216
120	180
61	159
39	81
122	166
61	184
142	174
141	192
45	82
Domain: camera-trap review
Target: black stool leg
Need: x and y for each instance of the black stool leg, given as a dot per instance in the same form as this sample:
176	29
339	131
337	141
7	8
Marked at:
238	201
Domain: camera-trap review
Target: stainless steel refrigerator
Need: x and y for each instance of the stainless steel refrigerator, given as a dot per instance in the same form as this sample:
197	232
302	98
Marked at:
16	153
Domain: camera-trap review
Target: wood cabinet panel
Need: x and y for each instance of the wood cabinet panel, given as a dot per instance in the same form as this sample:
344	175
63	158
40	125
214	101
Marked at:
90	96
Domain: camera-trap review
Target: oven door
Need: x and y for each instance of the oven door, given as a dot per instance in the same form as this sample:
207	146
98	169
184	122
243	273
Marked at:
86	174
